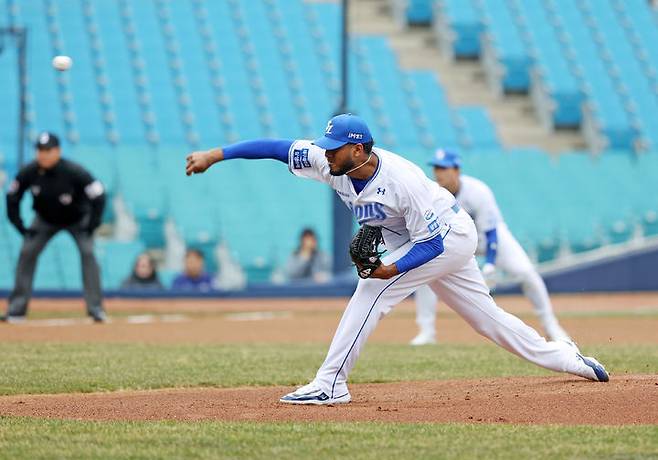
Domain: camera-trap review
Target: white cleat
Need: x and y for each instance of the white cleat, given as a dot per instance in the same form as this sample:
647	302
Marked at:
592	369
312	394
423	338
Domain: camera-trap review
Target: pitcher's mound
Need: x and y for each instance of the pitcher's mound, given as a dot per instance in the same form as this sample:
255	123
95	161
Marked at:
631	399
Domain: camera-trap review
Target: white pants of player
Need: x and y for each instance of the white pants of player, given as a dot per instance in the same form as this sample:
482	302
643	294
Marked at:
455	277
512	259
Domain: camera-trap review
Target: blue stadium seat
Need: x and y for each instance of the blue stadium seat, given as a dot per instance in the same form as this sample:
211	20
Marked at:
434	108
9	100
503	39
458	25
477	129
555	73
116	259
413	12
84	91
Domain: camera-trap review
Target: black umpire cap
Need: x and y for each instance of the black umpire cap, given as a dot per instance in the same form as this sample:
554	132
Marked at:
46	141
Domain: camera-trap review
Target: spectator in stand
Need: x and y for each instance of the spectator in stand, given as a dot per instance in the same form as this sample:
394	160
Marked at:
194	277
308	262
144	275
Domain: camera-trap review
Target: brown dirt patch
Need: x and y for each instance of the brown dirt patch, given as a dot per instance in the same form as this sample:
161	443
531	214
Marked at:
631	319
597	302
631	399
302	327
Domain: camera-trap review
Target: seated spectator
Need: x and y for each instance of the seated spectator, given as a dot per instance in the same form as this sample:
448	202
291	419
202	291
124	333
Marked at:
194	277
308	262
144	274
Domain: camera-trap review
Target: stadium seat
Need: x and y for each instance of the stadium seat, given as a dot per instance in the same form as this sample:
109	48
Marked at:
477	130
457	25
116	259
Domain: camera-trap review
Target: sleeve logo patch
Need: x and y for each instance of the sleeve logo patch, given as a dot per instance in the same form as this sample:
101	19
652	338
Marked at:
94	190
300	159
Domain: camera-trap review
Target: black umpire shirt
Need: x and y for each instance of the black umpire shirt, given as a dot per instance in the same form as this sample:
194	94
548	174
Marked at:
62	195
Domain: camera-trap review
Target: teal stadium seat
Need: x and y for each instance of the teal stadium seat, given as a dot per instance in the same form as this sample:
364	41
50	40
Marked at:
116	259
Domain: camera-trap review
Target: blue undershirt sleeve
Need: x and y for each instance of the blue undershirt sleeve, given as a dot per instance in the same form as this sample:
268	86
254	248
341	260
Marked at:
492	246
275	149
420	253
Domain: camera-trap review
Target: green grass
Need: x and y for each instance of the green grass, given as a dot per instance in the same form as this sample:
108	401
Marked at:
61	368
34	438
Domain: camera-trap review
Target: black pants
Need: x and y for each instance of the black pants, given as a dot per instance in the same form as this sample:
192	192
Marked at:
32	246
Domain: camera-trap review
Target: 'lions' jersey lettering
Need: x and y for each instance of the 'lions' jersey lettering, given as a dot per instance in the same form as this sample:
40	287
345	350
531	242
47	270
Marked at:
367	212
399	197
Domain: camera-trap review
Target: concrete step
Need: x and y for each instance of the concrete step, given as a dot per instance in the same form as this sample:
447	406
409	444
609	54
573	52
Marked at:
464	81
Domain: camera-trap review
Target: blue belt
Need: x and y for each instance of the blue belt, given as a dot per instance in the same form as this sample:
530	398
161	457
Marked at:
456	208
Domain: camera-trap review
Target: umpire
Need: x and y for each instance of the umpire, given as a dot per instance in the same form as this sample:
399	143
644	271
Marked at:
65	197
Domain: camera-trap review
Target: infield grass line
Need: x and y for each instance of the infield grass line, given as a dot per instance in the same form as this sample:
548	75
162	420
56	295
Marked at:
42	368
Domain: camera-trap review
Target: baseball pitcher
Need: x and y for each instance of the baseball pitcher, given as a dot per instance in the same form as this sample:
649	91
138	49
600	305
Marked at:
430	240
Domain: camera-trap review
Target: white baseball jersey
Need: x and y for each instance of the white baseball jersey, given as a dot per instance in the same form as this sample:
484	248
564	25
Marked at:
479	202
399	197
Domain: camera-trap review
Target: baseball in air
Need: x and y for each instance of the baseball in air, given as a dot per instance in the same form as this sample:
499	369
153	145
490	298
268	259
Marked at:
62	63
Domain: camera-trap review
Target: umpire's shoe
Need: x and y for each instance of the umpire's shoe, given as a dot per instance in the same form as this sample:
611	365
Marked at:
13	319
312	394
98	316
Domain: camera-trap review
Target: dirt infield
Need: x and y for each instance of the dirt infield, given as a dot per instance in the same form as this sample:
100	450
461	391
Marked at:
624	400
591	319
300	328
513	303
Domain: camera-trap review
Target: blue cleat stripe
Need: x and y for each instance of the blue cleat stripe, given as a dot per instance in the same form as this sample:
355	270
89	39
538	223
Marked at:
600	372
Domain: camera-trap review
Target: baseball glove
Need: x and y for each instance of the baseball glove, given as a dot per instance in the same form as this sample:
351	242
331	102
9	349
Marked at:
364	250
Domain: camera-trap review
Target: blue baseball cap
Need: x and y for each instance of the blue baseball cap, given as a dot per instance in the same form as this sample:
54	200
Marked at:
344	129
446	159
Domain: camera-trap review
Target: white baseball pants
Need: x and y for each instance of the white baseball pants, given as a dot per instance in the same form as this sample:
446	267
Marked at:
455	277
